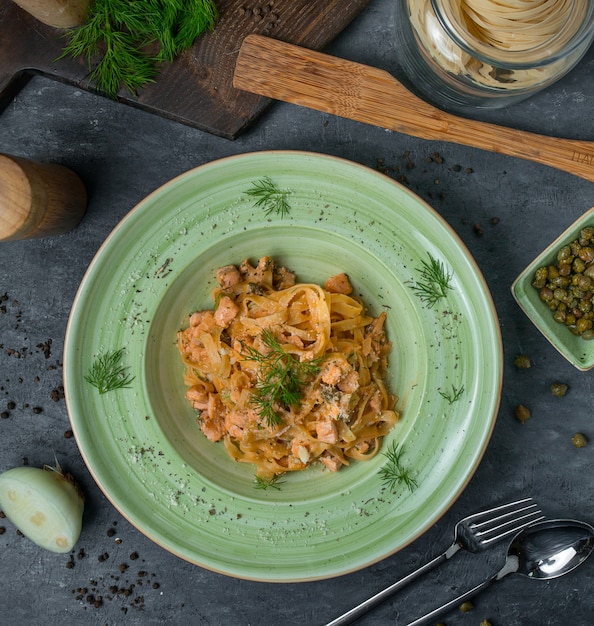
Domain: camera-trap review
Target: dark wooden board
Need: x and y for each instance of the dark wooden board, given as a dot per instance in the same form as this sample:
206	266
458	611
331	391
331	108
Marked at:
195	89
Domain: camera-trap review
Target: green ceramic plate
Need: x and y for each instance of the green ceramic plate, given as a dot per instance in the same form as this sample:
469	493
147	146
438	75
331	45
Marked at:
142	444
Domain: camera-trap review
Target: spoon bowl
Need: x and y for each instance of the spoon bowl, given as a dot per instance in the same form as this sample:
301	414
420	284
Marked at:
552	548
542	551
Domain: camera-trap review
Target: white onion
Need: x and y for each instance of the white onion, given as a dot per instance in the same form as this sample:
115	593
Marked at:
44	504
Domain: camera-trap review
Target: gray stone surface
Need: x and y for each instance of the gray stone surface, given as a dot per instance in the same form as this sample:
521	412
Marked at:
123	154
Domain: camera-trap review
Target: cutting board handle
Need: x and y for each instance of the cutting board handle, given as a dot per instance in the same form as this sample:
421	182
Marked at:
282	71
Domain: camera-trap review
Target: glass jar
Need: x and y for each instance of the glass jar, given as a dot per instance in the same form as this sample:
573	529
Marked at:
489	53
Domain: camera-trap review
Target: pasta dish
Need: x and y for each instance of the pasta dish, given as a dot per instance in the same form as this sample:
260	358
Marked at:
288	374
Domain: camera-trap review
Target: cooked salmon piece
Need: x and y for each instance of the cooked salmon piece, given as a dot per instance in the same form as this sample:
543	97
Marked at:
339	284
226	312
331	462
327	431
228	276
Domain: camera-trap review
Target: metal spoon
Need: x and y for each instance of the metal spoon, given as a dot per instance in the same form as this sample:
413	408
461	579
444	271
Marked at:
544	550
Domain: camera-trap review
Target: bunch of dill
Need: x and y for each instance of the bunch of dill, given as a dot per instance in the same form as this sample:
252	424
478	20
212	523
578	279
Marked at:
124	41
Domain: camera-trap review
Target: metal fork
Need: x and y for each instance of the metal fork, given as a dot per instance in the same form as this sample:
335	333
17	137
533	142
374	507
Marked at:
473	533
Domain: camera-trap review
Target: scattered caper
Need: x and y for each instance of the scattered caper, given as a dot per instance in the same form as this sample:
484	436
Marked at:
522	413
579	440
485	622
567	287
466	607
522	362
558	389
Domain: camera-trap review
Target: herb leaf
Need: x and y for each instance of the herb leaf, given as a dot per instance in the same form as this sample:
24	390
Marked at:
106	373
265	483
434	283
394	472
125	41
455	395
281	380
269	197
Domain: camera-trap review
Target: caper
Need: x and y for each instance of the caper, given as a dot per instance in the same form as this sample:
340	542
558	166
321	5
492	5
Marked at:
564	254
466	607
560	294
552	271
564	269
587	233
583	282
575	311
579	440
560	316
589	271
485	622
522	413
576	293
558	389
575	247
560	281
588	335
540	278
522	361
570	319
578	265
546	294
585	305
583	325
587	254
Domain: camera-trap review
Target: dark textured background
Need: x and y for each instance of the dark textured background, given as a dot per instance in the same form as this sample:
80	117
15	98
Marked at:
122	154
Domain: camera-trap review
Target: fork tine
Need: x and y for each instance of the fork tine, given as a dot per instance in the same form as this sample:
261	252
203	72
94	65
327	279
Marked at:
516	528
506	524
501	507
511	516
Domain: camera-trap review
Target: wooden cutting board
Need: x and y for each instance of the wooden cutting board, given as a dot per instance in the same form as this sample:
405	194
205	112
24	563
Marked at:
195	89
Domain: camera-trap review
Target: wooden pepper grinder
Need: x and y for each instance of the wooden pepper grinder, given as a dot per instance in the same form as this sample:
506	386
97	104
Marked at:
38	199
57	13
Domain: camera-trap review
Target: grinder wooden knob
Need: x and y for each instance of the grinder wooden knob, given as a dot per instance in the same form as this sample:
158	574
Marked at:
38	199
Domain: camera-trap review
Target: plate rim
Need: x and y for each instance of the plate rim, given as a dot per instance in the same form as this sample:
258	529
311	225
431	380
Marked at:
488	303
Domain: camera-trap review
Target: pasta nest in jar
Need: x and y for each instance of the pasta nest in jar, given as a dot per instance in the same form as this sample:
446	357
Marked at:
524	27
288	374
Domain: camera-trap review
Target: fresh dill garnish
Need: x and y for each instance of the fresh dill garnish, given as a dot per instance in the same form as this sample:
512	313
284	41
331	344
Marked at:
269	197
265	483
394	473
452	397
434	283
123	42
281	378
107	373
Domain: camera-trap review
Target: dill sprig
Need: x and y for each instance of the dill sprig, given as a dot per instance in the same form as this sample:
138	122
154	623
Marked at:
107	374
281	378
455	395
434	283
264	483
123	42
394	473
269	197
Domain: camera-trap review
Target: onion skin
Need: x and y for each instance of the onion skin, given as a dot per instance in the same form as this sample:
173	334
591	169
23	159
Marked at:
44	504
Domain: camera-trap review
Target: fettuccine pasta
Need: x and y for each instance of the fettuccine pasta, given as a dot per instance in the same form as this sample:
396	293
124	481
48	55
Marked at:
288	374
534	30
